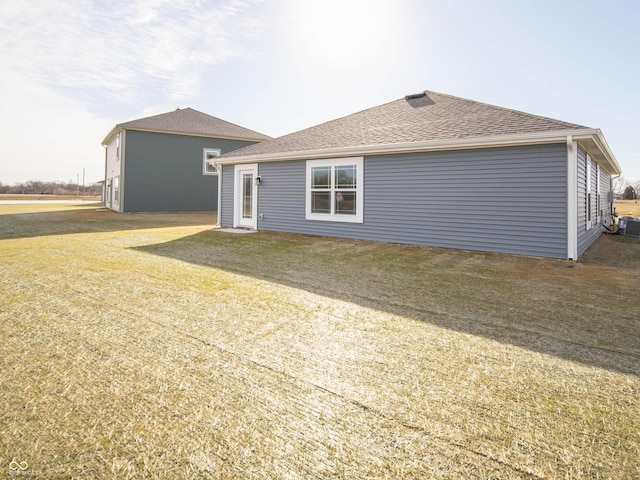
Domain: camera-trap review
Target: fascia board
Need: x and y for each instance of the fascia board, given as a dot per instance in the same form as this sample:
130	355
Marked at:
114	131
190	134
596	145
413	147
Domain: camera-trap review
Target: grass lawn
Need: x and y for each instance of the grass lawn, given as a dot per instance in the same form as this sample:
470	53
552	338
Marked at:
154	346
629	208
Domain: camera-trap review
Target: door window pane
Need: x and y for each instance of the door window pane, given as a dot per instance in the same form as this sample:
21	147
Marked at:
247	191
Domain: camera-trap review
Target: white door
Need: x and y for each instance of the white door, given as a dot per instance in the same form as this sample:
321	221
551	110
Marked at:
246	196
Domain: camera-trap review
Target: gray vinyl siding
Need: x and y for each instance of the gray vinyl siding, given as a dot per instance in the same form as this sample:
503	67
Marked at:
606	198
163	172
510	200
586	235
226	212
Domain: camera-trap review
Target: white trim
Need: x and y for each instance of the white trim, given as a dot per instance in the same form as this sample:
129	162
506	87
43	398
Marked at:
117	128
359	190
238	221
219	211
206	150
572	198
593	139
123	161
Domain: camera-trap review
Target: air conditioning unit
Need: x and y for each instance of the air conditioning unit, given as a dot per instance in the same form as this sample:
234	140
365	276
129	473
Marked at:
629	227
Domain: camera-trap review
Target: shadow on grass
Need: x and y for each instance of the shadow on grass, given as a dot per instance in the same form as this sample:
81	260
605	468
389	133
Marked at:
552	307
89	218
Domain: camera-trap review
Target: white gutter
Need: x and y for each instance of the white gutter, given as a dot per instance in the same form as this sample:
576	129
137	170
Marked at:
433	145
117	128
219	168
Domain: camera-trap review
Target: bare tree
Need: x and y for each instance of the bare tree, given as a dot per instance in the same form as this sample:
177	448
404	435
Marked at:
47	188
619	184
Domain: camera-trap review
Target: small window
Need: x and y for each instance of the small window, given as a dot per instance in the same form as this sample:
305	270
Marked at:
334	190
209	157
116	189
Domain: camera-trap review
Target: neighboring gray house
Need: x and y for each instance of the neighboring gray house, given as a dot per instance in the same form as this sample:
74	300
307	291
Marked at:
167	162
429	169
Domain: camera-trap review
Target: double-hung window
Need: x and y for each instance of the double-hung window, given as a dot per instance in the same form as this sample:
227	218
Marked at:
334	190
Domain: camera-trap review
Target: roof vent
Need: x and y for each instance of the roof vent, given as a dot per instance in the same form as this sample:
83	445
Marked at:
415	95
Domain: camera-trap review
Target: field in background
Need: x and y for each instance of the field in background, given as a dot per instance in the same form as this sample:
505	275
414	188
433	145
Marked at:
629	208
47	198
154	346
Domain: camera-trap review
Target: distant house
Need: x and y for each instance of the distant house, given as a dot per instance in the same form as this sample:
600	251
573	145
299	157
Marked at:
429	169
167	162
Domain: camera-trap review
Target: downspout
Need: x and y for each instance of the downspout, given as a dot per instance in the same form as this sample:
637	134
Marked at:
104	185
219	168
613	197
121	180
572	198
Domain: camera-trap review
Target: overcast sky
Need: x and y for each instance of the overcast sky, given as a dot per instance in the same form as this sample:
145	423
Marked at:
73	69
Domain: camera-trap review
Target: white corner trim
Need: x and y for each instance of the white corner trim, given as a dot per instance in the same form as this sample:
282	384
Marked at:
572	198
219	210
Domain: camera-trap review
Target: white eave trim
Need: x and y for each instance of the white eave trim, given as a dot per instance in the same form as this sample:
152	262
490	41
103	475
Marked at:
114	131
595	135
598	148
119	128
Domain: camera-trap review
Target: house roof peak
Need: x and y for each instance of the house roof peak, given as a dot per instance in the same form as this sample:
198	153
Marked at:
188	121
425	116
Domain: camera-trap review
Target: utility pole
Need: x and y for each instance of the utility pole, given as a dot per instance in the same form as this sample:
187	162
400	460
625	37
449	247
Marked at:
83	189
77	184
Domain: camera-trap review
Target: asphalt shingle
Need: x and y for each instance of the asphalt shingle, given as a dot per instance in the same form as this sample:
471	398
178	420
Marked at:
430	116
190	121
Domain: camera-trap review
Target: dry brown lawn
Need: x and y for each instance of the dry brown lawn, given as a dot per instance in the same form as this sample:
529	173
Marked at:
154	346
629	208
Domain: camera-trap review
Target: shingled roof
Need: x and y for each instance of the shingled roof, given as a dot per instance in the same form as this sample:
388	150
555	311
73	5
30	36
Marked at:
189	122
427	116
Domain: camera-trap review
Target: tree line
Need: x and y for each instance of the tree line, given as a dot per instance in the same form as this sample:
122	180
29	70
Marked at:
626	189
38	187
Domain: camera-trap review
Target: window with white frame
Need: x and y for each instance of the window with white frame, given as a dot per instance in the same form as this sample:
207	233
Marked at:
209	156
588	187
116	189
334	190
